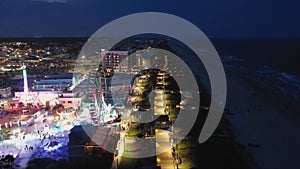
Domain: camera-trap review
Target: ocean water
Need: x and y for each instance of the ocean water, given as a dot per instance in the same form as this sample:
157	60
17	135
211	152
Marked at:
280	54
274	61
271	62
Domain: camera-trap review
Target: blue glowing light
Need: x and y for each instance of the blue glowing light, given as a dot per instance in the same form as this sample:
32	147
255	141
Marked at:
52	146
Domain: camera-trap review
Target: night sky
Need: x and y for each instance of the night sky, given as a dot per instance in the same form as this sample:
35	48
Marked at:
216	18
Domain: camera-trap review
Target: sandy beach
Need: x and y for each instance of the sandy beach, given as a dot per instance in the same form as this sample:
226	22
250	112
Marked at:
264	119
263	116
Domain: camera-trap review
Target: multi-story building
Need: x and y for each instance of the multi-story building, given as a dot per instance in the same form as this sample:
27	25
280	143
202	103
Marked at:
70	100
115	60
54	82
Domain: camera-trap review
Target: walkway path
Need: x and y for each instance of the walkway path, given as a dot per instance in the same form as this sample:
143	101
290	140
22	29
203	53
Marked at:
163	149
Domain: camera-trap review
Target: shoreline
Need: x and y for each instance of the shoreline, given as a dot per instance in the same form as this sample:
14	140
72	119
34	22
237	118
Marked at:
263	119
260	117
221	150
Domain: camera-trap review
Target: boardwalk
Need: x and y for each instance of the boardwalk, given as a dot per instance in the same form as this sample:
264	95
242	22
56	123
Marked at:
163	149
